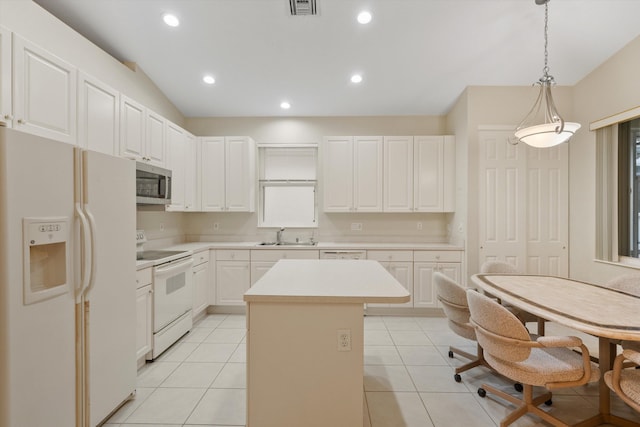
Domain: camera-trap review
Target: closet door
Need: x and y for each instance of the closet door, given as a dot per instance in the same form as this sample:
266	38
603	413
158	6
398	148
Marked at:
523	204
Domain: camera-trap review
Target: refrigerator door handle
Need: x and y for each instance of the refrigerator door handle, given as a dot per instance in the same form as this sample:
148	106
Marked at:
94	264
86	257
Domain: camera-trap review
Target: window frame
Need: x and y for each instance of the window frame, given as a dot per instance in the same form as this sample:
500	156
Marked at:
286	181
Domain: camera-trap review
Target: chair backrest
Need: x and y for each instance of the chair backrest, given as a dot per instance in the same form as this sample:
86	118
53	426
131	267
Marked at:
627	282
496	328
454	303
498	267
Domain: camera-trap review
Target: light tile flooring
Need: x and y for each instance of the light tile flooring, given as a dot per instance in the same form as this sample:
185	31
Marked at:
408	381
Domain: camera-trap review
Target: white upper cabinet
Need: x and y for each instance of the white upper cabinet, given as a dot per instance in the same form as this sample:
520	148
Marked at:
142	133
44	92
352	174
398	174
434	173
155	138
228	168
132	129
6	111
212	176
98	116
367	174
428	167
176	161
337	173
182	161
191	194
419	174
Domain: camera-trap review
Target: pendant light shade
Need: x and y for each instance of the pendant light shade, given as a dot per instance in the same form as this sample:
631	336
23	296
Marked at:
543	126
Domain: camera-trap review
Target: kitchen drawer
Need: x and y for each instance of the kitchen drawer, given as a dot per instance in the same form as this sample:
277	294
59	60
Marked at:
200	258
143	277
278	254
233	255
437	256
390	255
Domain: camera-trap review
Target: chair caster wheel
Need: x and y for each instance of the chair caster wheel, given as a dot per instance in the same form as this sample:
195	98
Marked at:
518	387
450	354
548	402
482	392
457	377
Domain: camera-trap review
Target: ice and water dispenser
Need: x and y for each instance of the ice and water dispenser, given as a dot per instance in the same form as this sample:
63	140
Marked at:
46	258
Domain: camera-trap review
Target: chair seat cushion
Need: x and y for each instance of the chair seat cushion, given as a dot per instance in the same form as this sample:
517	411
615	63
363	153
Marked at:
544	366
629	382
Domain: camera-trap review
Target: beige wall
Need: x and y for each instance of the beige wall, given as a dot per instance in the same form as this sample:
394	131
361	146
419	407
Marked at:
40	27
289	130
486	107
611	88
457	125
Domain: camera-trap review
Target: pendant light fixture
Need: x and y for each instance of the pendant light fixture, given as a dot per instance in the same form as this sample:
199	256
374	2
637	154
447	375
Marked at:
543	126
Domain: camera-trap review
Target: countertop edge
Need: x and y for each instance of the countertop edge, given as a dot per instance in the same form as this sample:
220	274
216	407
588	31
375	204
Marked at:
324	299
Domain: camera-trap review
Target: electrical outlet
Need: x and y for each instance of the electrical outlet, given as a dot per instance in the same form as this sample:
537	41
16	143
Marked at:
344	339
216	226
419	226
356	226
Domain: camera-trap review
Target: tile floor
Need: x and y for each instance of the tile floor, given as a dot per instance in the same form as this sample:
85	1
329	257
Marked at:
408	381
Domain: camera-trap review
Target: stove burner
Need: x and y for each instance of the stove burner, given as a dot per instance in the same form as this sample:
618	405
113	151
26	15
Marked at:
154	255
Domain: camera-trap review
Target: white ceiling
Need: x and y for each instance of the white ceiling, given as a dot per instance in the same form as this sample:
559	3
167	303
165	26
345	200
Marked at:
416	56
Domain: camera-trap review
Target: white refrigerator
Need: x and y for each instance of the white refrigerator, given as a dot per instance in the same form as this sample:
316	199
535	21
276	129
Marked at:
67	283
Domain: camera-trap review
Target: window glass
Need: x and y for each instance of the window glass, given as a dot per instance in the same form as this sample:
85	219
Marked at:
288	187
629	188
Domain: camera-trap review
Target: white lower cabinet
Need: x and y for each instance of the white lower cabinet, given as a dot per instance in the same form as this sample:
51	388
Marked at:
400	265
259	268
263	259
200	282
425	264
233	276
144	314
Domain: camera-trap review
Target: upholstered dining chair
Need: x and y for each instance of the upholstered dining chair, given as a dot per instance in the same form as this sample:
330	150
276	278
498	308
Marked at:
549	362
501	267
629	283
625	382
453	298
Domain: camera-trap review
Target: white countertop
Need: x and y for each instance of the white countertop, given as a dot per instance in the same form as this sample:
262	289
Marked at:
196	247
327	281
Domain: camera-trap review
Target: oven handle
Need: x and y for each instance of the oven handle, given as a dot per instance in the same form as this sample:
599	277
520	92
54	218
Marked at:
173	267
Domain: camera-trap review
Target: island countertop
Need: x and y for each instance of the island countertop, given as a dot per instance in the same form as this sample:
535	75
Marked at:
327	281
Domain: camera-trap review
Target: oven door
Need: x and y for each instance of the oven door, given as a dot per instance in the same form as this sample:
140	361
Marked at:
171	291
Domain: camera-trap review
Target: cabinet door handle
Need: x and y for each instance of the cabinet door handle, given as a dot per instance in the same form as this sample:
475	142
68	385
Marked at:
8	117
22	122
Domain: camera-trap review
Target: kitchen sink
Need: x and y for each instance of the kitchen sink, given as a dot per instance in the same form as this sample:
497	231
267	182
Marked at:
308	243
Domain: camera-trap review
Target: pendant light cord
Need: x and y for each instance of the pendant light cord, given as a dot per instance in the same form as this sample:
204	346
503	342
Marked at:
545	70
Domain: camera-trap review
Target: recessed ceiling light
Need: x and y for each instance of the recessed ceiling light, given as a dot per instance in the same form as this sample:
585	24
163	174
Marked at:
364	17
285	105
208	80
170	20
356	78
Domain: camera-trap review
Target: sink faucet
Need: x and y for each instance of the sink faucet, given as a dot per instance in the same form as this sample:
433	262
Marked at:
279	235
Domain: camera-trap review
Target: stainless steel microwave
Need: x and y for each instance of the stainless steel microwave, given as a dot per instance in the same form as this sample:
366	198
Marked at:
153	185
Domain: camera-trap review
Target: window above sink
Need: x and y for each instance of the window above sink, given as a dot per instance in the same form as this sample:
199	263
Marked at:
288	186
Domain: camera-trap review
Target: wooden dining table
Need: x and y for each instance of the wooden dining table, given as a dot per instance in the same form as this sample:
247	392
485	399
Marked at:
606	313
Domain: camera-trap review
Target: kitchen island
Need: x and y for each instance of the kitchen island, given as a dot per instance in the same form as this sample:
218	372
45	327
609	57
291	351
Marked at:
305	341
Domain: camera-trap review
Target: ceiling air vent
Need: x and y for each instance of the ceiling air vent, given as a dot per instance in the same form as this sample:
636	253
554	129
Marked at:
303	7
